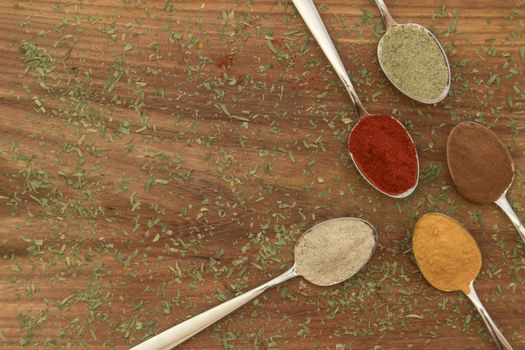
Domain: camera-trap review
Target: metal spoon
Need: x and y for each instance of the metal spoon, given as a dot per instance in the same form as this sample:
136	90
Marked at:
504	204
391	23
311	17
499	339
502	201
185	330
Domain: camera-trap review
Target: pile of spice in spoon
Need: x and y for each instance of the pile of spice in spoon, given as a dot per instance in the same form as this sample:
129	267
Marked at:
413	59
384	152
334	250
414	63
482	167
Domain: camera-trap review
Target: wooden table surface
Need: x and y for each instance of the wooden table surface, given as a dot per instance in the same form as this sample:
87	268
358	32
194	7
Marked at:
159	157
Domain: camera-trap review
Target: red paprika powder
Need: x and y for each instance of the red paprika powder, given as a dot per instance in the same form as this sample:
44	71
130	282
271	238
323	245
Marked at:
384	153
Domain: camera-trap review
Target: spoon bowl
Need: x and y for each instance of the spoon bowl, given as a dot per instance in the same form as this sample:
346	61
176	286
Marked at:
438	233
409	145
446	89
348	272
185	330
392	25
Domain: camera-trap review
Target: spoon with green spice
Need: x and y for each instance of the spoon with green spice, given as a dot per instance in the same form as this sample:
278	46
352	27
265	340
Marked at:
326	254
413	59
380	146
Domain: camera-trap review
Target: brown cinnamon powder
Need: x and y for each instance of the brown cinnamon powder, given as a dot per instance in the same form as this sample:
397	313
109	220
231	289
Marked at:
480	164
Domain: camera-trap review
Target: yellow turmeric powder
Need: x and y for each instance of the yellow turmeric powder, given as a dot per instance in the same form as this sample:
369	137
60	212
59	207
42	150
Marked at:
446	253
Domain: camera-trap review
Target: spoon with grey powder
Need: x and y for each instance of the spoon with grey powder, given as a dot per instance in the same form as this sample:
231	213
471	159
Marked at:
413	59
328	253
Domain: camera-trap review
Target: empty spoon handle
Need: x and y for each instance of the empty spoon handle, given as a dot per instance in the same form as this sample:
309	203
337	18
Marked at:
185	330
504	204
387	17
313	20
499	339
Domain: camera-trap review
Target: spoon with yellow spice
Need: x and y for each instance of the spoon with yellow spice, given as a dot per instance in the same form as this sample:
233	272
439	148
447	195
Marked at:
450	260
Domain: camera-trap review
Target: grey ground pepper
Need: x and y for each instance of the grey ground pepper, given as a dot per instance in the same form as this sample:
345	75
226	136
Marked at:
334	251
413	61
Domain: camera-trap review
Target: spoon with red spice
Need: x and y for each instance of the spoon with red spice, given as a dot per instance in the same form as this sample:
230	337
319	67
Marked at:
380	146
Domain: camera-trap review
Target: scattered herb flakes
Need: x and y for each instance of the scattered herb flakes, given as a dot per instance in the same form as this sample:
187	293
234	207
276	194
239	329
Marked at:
430	173
157	160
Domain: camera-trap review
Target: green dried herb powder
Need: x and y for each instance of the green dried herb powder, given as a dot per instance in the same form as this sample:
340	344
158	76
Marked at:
413	61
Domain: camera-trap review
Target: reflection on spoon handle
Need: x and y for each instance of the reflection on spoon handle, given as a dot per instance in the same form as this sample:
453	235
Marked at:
313	20
504	204
185	330
387	18
500	340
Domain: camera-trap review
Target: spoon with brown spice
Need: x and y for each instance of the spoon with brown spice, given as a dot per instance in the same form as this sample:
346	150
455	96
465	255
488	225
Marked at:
450	260
413	59
380	146
482	167
328	253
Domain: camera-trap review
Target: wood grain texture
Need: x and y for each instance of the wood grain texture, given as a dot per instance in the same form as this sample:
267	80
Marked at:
161	156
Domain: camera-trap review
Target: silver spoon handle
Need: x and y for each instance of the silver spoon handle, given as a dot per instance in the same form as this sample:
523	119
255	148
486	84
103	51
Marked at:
504	204
500	340
313	20
387	17
185	330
